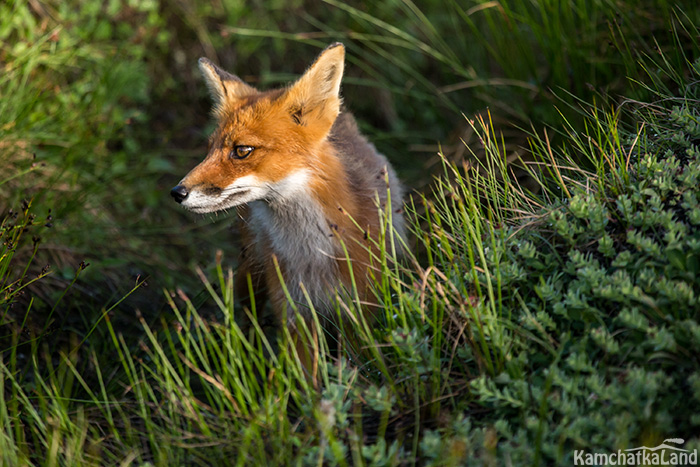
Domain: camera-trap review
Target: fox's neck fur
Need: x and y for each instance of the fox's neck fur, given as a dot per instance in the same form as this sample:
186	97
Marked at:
300	224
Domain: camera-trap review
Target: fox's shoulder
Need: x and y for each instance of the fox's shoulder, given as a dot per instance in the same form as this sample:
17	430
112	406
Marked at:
354	150
365	166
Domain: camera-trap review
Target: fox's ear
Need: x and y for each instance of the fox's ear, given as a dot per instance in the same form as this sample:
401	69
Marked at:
315	97
223	86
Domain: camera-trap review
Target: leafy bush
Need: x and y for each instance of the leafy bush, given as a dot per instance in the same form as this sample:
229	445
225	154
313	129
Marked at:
587	318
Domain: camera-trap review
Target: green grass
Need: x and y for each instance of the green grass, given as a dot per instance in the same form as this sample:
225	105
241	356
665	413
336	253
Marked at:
547	301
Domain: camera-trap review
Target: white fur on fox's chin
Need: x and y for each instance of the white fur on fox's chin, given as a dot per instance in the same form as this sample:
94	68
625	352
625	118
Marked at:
245	190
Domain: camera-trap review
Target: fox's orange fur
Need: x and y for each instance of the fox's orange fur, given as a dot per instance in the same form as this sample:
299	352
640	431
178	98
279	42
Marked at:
297	169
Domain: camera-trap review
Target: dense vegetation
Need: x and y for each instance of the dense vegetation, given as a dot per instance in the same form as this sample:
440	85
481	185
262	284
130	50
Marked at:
549	301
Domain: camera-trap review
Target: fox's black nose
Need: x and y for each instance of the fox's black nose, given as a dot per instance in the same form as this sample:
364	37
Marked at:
179	193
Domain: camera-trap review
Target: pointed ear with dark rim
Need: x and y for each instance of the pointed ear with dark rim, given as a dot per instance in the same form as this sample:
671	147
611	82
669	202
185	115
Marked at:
223	86
316	95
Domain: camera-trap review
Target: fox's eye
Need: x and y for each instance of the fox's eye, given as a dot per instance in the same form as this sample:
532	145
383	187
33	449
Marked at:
241	152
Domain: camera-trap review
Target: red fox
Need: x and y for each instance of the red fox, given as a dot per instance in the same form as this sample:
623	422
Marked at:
302	177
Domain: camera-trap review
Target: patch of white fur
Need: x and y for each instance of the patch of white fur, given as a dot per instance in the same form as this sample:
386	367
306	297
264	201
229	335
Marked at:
294	224
287	222
242	191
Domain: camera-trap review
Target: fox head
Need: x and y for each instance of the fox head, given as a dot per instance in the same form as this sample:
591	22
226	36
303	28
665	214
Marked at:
265	140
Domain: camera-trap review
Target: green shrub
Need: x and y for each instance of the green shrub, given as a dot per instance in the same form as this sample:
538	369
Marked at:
598	291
